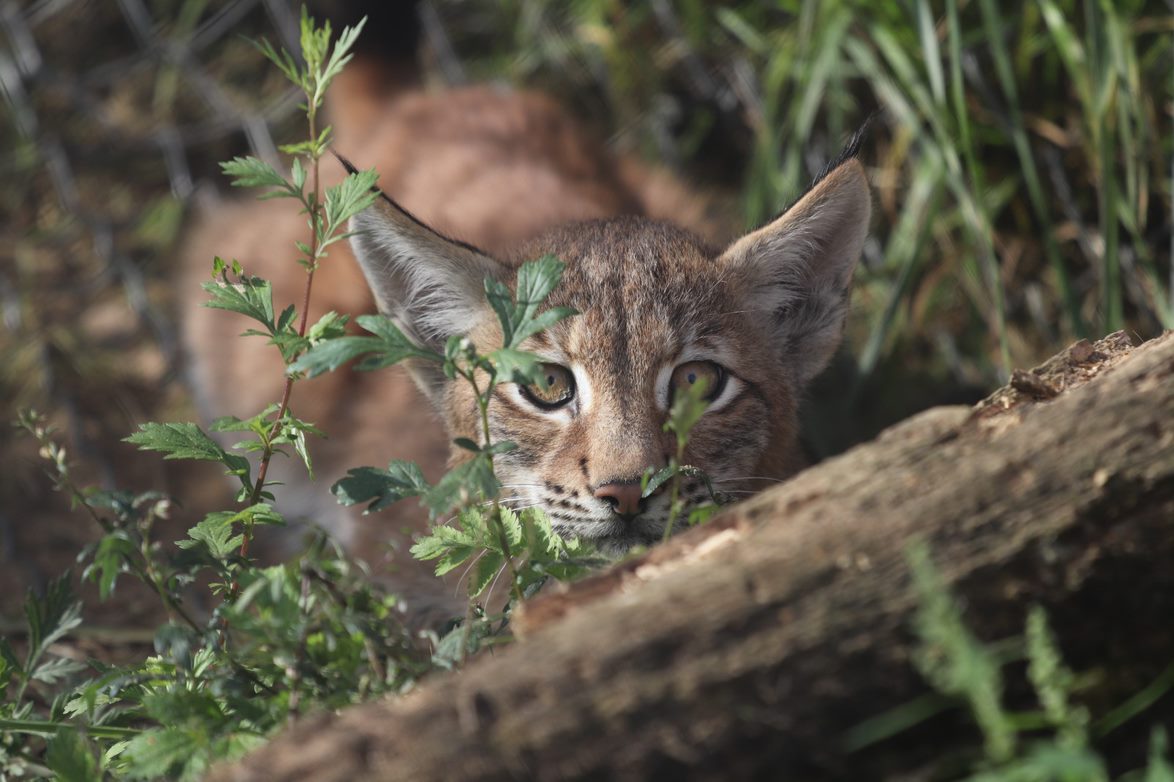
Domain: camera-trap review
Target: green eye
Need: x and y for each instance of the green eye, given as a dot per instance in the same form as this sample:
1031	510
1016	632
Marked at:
712	374
555	387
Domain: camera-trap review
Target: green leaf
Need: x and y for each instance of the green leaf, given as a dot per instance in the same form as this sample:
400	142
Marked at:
187	441
953	660
340	55
283	60
162	752
380	488
536	280
387	346
217	531
465	483
329	326
112	557
216	534
298	175
257	424
251	296
1053	681
347	199
542	321
395	346
70	757
519	317
53	671
484	571
50	617
687	408
467	444
253	172
451	545
332	354
516	366
654	479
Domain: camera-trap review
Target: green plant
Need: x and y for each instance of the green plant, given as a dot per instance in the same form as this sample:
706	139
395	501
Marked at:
314	632
1052	743
684	413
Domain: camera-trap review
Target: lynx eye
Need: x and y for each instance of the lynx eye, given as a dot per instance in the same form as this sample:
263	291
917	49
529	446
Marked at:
555	387
690	373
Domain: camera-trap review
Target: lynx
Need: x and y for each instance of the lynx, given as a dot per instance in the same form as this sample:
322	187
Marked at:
493	178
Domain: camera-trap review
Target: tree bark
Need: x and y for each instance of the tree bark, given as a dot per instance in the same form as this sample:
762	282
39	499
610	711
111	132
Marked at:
748	647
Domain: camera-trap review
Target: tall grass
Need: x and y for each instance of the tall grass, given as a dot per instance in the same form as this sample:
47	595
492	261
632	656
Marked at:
1021	161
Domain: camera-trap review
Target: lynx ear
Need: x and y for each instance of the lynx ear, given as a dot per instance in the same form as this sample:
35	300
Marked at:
433	287
797	270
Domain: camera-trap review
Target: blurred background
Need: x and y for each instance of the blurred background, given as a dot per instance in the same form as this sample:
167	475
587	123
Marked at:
1020	158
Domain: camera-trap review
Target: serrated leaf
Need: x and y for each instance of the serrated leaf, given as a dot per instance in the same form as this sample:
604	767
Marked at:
511	525
395	345
385	347
253	172
230	423
332	354
283	60
185	440
541	539
50	617
348	198
70	757
216	533
518	315
290	344
250	296
380	488
484	571
161	753
53	671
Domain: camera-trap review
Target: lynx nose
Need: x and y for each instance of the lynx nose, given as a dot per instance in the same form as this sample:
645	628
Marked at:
623	497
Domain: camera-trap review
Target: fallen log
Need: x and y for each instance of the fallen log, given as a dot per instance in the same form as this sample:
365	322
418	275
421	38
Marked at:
746	648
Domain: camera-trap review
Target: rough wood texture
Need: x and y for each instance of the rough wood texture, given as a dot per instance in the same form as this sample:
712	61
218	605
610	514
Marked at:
746	648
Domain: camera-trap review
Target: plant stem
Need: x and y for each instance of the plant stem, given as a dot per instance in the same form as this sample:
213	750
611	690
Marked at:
314	207
495	508
675	490
46	727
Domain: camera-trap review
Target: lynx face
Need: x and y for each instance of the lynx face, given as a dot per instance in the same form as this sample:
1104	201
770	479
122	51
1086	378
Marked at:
659	310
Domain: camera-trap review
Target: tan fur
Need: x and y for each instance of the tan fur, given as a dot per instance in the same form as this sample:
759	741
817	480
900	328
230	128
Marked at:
512	175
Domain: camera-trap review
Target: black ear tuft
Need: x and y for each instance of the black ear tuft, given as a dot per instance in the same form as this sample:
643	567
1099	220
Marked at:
348	165
850	151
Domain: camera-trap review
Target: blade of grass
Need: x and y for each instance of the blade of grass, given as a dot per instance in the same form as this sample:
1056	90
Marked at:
994	25
983	227
904	247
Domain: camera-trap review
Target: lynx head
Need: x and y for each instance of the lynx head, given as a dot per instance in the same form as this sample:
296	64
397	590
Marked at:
659	310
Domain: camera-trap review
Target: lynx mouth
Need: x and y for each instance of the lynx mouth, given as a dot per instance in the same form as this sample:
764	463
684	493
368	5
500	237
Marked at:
612	537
